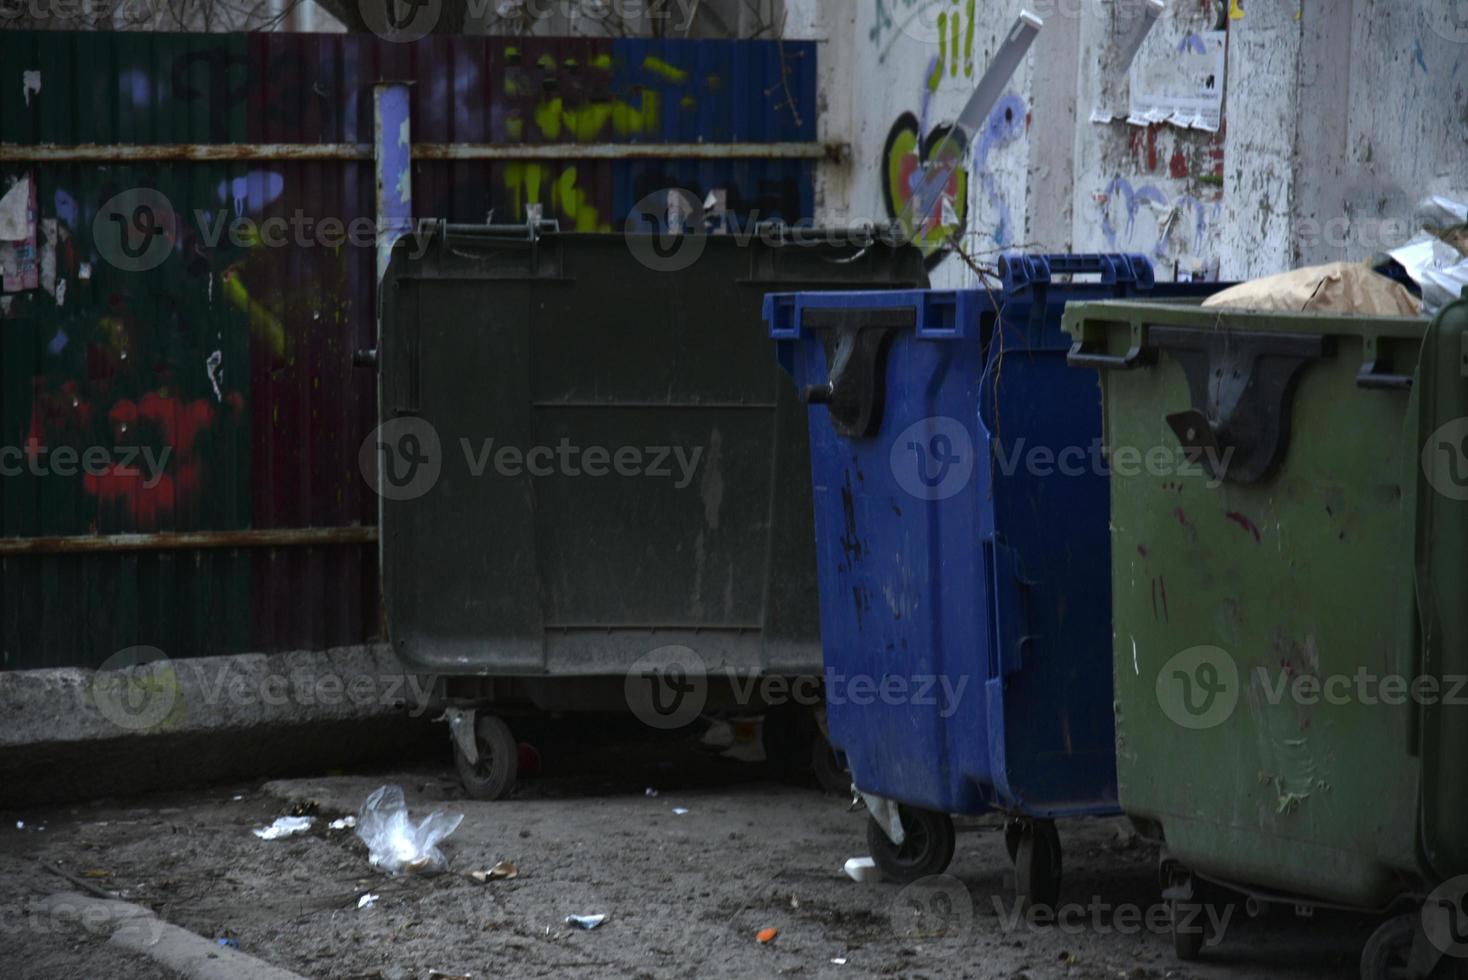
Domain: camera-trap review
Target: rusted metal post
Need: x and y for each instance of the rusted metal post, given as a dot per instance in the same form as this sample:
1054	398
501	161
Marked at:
304	537
835	152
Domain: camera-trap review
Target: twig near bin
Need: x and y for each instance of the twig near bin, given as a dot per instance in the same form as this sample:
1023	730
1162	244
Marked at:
82	883
995	301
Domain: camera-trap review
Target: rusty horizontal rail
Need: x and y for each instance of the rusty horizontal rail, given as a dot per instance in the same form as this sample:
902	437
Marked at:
189	541
205	152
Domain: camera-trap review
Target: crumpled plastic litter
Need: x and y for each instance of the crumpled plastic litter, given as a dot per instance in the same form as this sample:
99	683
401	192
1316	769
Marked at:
503	871
1436	258
395	844
1438	212
585	921
285	827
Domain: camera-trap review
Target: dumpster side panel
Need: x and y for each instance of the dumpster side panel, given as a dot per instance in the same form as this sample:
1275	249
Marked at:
622	467
1255	622
962	526
903	578
1052	505
1442	526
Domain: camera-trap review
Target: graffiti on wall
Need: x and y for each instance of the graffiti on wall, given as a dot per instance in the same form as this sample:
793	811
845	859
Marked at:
903	158
947	25
228	357
1166	198
909	148
135	404
1180	225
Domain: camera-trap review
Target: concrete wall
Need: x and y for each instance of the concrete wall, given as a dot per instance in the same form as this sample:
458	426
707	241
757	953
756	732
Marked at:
1338	118
1364	112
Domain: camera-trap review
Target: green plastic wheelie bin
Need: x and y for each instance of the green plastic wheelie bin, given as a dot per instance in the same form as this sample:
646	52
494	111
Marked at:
1289	529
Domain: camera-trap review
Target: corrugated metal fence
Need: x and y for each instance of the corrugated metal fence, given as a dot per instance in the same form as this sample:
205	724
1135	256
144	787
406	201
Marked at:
179	431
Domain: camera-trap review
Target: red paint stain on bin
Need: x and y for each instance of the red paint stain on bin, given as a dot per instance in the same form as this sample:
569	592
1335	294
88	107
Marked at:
1244	523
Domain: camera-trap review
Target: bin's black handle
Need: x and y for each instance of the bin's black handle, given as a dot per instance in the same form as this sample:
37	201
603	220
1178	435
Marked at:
1079	357
529	231
1112	267
818	394
365	358
1374	379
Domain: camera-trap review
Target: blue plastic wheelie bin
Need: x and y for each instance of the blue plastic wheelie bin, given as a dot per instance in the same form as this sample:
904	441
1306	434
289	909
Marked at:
961	507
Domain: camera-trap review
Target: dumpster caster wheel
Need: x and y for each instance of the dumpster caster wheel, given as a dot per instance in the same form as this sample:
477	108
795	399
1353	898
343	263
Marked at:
1013	831
829	770
493	776
927	851
786	737
1036	863
1388	954
1188	929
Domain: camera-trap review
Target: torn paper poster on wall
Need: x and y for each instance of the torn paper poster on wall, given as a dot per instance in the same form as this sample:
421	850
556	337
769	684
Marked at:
20	266
1181	85
15	211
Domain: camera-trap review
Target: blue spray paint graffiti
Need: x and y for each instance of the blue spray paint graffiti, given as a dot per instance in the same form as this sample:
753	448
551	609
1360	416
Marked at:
1006	123
1192	44
1132	201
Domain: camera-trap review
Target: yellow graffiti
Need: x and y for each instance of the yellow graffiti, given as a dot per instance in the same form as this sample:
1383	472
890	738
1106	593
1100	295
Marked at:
585	123
526	182
114	330
573	202
660	67
263	324
1235	10
954	37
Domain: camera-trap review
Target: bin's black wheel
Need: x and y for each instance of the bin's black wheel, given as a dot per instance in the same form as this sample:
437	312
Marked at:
786	737
1189	924
493	776
1037	865
1013	831
927	851
1388	953
828	767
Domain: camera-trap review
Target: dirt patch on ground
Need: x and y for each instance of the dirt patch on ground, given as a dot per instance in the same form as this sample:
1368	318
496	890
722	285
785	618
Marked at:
686	894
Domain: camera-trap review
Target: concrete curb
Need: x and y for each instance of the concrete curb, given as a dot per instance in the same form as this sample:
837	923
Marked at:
135	928
139	725
141	695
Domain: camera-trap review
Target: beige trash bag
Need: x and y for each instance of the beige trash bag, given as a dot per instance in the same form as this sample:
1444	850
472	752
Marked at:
1340	287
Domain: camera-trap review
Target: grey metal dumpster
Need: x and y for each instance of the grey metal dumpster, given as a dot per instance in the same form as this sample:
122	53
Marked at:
595	483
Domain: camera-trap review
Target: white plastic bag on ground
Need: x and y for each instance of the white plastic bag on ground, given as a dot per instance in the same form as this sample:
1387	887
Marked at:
395	843
285	827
